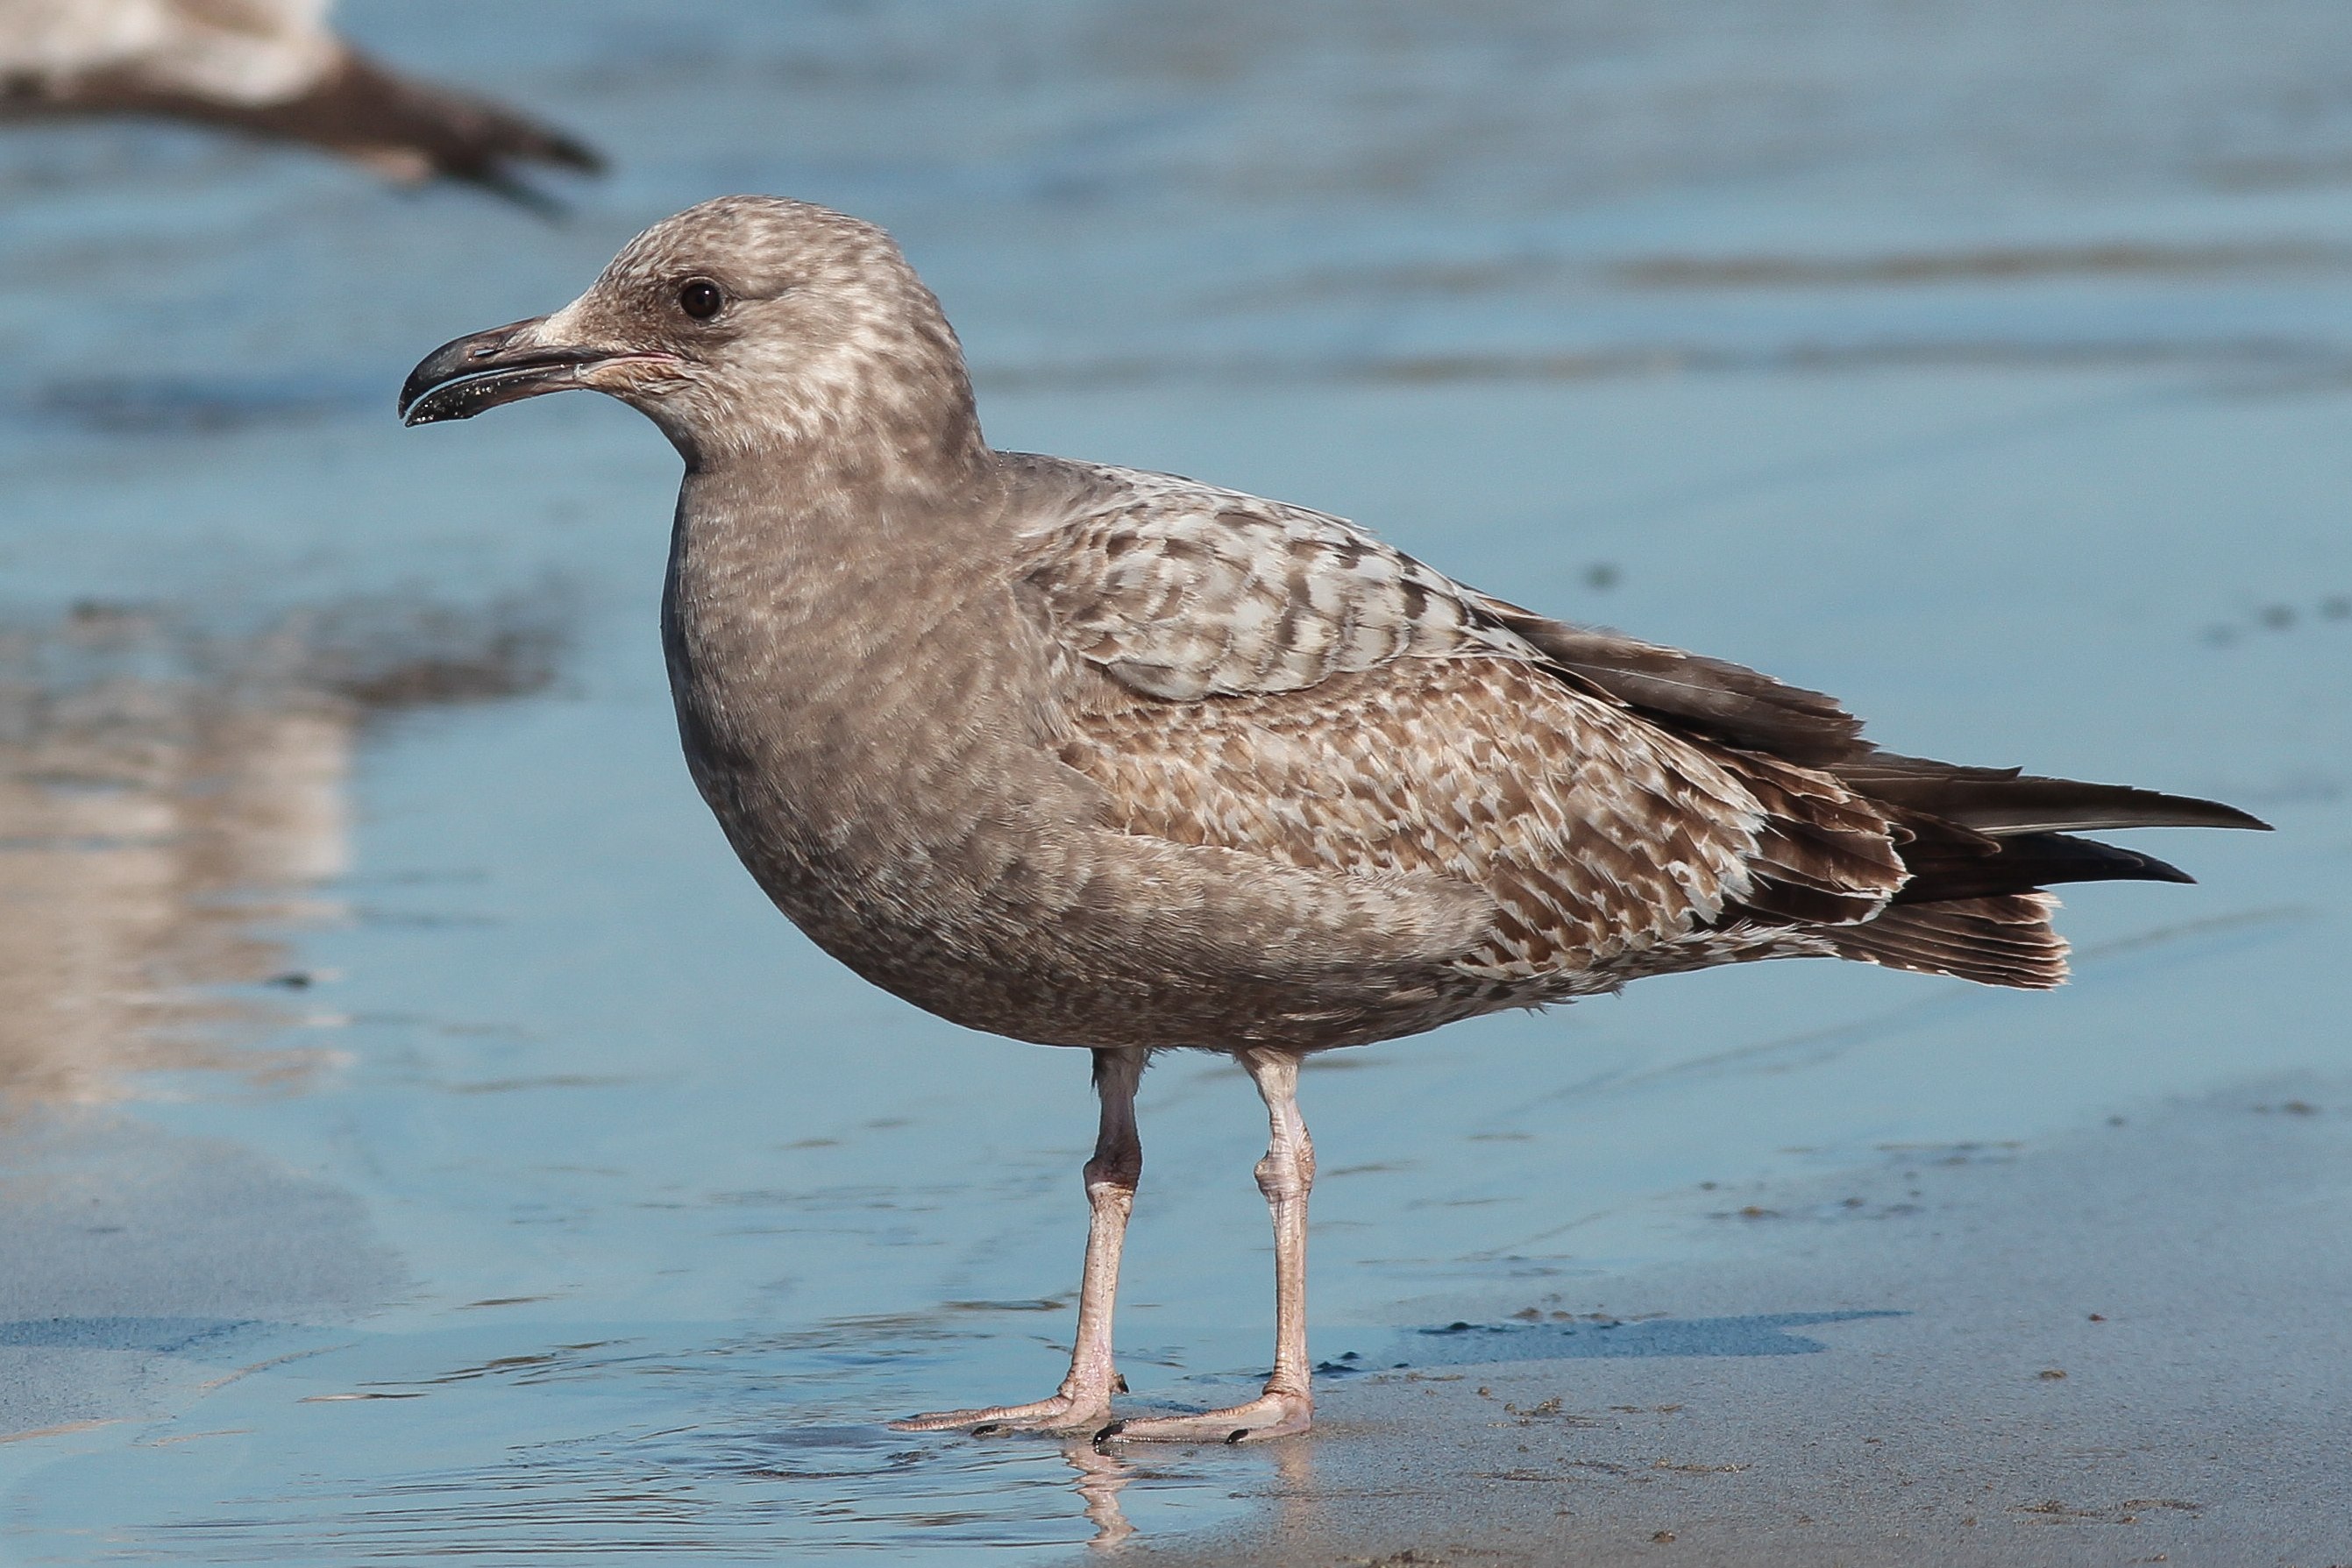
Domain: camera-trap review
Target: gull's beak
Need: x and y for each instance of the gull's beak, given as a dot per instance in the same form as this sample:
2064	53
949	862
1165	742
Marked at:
505	364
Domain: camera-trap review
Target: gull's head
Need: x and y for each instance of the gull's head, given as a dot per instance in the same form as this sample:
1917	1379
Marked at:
744	324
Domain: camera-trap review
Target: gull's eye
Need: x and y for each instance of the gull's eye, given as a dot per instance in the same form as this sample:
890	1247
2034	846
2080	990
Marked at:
700	298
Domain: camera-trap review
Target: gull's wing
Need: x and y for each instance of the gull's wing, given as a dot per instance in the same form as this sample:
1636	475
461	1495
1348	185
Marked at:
1181	591
1281	683
1293	596
1596	835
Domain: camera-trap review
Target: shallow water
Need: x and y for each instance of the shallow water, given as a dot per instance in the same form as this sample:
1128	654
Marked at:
514	1184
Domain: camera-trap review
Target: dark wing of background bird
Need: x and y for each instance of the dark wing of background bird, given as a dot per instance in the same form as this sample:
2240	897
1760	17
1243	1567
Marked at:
1283	684
272	68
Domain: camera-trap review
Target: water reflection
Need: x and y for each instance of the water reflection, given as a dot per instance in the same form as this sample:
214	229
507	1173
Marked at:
1102	1478
761	1487
1296	1495
672	1447
171	799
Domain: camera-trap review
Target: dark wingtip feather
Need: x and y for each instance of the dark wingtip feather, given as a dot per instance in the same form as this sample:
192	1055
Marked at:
2026	863
1730	702
2003	803
2152	870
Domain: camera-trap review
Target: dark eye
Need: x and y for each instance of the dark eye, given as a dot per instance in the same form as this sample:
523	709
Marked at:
700	298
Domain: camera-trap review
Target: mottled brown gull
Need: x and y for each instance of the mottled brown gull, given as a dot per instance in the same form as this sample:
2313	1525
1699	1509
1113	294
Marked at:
1091	756
270	68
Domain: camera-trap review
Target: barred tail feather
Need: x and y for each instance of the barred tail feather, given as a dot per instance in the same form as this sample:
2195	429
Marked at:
2004	940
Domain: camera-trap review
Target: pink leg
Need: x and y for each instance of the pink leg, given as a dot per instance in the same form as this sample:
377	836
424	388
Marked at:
1083	1402
1286	1175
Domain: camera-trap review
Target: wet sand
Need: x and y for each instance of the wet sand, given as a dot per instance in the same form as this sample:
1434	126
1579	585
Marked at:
2123	1347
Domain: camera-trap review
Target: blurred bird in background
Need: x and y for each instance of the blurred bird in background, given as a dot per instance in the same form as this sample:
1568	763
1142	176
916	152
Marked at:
272	68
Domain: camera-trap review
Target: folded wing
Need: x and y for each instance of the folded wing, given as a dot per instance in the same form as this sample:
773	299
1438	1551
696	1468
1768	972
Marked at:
1278	681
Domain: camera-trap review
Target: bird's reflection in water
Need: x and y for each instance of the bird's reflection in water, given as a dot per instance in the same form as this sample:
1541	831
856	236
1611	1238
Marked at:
1102	1478
167	795
1102	1475
1295	1497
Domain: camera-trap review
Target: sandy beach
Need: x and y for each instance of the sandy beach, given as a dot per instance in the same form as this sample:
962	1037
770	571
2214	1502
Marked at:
2115	1348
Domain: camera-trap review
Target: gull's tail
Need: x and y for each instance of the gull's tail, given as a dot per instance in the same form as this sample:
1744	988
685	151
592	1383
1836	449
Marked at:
1981	844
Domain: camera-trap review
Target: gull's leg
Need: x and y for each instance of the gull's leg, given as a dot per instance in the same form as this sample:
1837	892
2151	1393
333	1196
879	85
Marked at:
1286	1175
1083	1402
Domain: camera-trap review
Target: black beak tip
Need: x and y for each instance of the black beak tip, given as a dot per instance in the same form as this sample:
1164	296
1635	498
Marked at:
437	369
466	375
423	406
416	408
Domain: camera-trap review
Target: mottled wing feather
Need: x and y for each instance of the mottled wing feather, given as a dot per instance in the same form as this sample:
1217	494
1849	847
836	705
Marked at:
1182	591
1824	854
1282	683
1595	834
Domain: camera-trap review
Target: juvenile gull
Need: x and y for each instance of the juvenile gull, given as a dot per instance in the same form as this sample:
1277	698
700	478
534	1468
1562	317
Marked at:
1091	756
271	67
